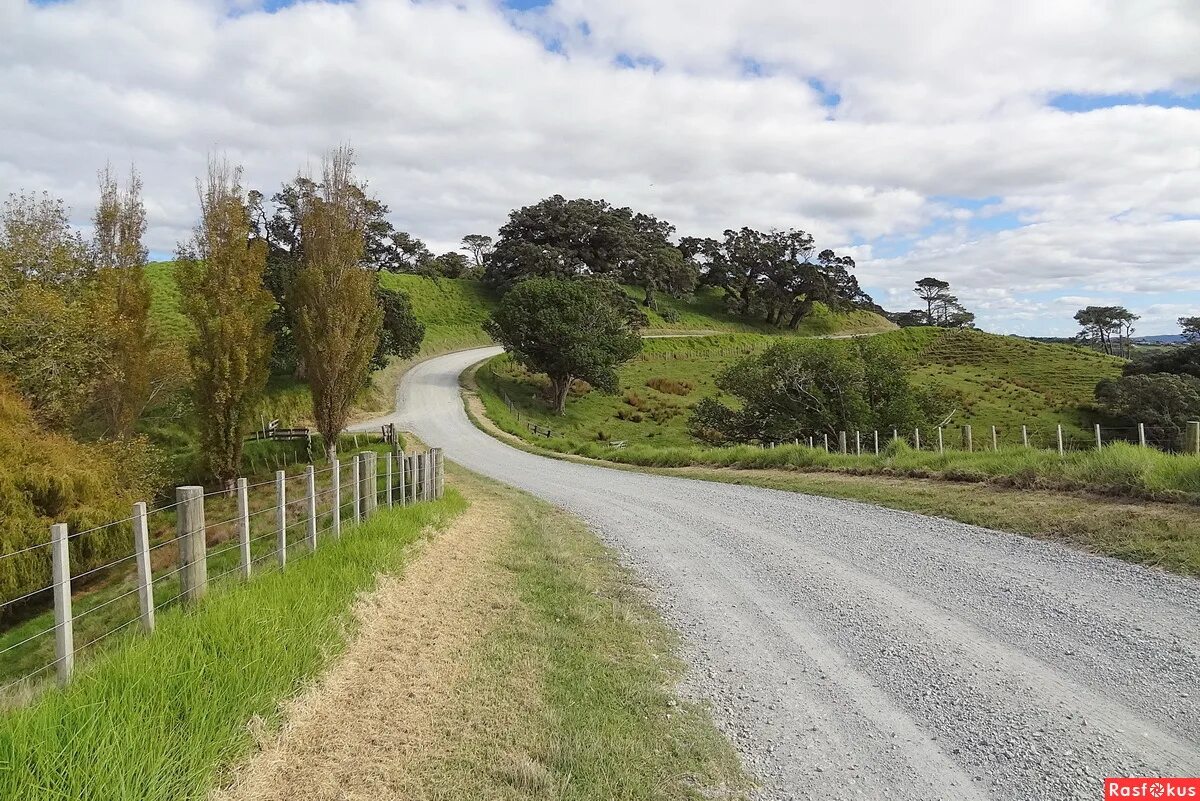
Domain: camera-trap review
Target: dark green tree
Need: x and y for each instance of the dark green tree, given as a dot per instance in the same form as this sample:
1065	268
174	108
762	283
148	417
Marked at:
451	265
480	246
1107	328
402	333
934	292
1163	402
1191	328
568	329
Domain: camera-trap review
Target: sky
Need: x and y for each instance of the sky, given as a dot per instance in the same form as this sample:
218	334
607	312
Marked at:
1040	156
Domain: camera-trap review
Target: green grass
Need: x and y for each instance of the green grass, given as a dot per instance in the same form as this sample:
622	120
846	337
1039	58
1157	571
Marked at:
168	320
165	716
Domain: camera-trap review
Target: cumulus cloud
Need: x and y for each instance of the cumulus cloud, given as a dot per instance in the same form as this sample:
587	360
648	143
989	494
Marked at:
461	111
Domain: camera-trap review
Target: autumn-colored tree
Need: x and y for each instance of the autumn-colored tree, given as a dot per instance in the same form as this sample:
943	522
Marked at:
48	298
337	319
127	382
220	275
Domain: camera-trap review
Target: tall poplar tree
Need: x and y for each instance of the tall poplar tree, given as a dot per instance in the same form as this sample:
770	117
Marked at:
126	383
337	320
220	275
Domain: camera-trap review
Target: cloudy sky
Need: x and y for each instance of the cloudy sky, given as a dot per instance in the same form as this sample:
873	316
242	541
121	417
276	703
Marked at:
1038	154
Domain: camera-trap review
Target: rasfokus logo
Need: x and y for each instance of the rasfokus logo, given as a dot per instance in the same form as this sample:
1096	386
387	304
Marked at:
1152	788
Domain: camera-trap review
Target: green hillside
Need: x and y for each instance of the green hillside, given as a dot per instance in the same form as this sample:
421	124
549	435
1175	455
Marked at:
992	380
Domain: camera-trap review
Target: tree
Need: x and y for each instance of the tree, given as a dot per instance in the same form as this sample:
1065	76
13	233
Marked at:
129	380
1178	361
450	265
480	247
220	274
337	320
401	333
1163	402
49	302
1191	328
568	329
1102	324
934	292
796	388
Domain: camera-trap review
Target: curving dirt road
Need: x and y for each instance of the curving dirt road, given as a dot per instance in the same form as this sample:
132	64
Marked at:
858	652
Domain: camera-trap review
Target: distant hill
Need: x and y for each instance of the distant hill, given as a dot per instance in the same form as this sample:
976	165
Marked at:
1161	339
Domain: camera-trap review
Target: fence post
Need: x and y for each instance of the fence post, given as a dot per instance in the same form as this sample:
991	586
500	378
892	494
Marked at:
966	436
401	474
1060	441
995	441
917	438
356	477
827	442
876	442
428	493
281	516
145	577
336	478
310	479
1192	445
1025	436
841	442
1142	434
64	631
941	447
858	443
193	566
895	434
441	473
387	477
243	512
810	442
410	467
1099	441
370	480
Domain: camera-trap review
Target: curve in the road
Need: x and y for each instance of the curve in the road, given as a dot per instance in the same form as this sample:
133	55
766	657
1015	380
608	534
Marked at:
859	652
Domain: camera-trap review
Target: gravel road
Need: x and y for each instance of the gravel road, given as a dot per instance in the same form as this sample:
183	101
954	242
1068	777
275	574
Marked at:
857	652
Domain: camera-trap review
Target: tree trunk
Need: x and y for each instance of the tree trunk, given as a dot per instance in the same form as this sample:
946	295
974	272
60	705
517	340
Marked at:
801	312
562	387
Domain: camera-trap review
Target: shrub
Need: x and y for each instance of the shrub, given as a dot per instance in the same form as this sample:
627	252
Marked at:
671	386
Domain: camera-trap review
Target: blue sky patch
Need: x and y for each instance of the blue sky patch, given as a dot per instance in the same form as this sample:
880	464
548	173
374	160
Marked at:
1080	103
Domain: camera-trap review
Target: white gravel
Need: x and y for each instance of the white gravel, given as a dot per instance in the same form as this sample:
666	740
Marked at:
851	651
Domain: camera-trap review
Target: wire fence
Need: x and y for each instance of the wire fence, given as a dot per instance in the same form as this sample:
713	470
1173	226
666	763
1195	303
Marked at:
171	554
984	438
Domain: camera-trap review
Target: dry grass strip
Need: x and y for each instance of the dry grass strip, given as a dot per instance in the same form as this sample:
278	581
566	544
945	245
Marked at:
386	715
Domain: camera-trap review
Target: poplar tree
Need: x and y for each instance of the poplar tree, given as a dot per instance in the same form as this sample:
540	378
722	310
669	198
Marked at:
126	384
220	275
337	320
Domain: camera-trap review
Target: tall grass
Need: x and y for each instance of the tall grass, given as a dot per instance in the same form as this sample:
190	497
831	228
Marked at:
164	717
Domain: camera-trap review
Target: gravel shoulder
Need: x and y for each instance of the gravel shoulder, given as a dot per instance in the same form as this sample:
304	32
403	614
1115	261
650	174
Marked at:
858	652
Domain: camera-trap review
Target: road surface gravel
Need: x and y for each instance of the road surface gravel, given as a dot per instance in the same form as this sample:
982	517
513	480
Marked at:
853	652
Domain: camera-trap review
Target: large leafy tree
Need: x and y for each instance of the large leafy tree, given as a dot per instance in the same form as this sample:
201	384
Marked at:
794	389
1191	328
220	273
1179	361
568	329
1162	401
49	304
401	332
336	317
560	238
480	247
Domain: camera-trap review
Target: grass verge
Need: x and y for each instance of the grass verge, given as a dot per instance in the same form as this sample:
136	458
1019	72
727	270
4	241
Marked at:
163	717
1165	535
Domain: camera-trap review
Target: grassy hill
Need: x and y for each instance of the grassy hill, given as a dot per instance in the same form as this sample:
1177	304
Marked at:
994	380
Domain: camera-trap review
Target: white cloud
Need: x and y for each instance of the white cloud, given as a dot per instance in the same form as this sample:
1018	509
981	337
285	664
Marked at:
459	115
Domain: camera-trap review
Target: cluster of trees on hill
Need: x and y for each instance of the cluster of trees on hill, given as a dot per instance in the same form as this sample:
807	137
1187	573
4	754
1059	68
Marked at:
776	276
942	309
1107	328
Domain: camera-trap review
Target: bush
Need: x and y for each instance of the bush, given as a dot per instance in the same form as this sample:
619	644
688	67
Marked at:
671	386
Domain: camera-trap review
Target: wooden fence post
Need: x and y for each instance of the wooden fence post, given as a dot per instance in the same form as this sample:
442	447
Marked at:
995	441
412	477
895	434
387	478
243	511
401	484
64	631
1025	436
1099	440
336	477
441	473
858	443
917	438
145	576
370	479
841	442
428	493
193	563
1193	438
1060	440
281	517
968	444
941	447
356	477
810	442
1142	434
310	479
876	442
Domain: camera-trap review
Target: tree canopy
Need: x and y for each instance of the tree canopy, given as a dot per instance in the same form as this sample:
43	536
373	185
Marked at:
1162	401
1191	328
568	329
1106	328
